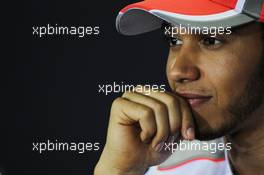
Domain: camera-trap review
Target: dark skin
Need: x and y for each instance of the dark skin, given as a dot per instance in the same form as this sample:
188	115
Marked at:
244	129
211	81
247	154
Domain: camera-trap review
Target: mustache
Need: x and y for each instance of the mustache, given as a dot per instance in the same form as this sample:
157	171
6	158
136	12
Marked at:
192	89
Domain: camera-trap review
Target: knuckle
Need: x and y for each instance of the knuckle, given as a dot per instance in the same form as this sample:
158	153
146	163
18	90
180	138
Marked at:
150	131
116	102
163	132
160	107
147	113
116	106
172	101
175	129
126	94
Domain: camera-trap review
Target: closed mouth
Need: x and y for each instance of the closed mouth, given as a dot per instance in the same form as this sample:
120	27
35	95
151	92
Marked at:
195	100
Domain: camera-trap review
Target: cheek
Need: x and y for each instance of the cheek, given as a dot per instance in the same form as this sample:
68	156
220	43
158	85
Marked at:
170	63
229	78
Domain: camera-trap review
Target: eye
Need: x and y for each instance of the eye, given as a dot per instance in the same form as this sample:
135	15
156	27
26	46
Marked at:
211	42
175	41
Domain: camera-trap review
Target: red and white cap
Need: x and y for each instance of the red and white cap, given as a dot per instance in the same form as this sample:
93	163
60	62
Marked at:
149	15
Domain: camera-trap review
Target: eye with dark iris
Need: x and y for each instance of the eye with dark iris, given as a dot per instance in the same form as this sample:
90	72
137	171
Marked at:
211	42
175	41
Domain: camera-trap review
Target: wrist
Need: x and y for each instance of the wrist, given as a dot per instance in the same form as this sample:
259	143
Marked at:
115	166
102	169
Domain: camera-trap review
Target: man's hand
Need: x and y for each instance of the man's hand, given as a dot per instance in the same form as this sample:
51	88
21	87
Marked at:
139	126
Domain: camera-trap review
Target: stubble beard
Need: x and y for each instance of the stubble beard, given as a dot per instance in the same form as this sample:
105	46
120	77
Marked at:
242	108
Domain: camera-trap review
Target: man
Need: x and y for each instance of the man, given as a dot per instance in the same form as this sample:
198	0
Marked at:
217	91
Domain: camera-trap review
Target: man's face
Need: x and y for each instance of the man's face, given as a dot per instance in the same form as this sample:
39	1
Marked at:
220	77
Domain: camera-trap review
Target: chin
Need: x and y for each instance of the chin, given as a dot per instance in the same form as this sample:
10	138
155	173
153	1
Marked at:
213	124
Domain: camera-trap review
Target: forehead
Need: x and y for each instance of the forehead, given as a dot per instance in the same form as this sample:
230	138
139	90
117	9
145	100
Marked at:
249	28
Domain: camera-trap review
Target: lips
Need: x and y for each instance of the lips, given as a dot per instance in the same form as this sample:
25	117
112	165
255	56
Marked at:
195	100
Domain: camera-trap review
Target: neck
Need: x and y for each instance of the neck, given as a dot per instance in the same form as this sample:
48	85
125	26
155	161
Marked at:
247	153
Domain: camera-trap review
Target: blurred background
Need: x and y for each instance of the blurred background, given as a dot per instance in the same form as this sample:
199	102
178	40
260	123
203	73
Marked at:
51	89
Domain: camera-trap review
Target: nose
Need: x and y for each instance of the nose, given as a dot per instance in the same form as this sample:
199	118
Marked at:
183	66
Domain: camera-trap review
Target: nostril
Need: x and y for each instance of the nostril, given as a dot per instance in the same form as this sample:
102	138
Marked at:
184	74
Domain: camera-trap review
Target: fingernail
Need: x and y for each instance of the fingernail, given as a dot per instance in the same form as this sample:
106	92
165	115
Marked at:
190	133
159	147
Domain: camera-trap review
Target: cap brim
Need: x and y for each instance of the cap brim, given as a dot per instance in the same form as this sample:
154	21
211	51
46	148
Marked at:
149	15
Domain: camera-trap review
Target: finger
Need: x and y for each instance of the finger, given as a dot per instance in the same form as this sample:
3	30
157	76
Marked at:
187	129
187	122
132	113
161	116
174	110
